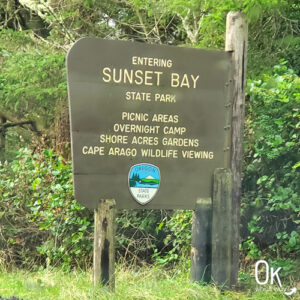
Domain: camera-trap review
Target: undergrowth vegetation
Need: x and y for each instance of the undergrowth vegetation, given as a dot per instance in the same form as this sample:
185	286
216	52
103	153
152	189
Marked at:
43	225
271	198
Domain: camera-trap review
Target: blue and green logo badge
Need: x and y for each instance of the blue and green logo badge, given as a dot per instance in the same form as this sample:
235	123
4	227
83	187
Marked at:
144	180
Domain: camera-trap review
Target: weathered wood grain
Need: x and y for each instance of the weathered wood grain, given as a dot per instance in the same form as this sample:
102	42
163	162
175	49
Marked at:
104	243
236	42
201	241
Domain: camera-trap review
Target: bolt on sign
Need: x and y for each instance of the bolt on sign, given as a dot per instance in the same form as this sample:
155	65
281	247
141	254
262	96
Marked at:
149	123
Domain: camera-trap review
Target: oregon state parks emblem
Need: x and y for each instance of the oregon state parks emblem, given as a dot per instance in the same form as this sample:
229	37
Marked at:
144	180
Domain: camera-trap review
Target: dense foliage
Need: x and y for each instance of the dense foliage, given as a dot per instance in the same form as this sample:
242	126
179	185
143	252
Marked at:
271	204
33	89
42	224
31	82
40	221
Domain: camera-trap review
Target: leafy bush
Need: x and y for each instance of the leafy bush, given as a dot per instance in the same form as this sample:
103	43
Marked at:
32	81
271	202
41	222
32	88
138	235
177	241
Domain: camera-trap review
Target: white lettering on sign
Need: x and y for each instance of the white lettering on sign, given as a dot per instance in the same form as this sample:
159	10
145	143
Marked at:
116	151
164	118
147	78
161	153
152	62
131	116
136	128
180	142
144	96
140	96
174	130
197	154
113	139
168	98
137	77
92	150
184	81
145	140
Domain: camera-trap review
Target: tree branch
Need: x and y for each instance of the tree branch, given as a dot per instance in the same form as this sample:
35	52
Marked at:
7	125
32	124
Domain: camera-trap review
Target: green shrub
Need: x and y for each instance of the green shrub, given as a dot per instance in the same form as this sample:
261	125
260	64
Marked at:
32	81
271	201
177	241
33	88
137	235
41	222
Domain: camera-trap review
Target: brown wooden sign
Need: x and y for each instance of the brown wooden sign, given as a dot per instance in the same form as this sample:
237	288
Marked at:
149	123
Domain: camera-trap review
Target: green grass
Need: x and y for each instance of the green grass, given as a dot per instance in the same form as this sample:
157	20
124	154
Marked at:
147	283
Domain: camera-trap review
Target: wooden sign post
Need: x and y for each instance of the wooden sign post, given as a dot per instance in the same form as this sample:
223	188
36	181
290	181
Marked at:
236	42
104	243
223	263
222	227
151	126
201	241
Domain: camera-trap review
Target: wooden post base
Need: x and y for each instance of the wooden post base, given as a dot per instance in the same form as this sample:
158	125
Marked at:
104	244
222	228
201	241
